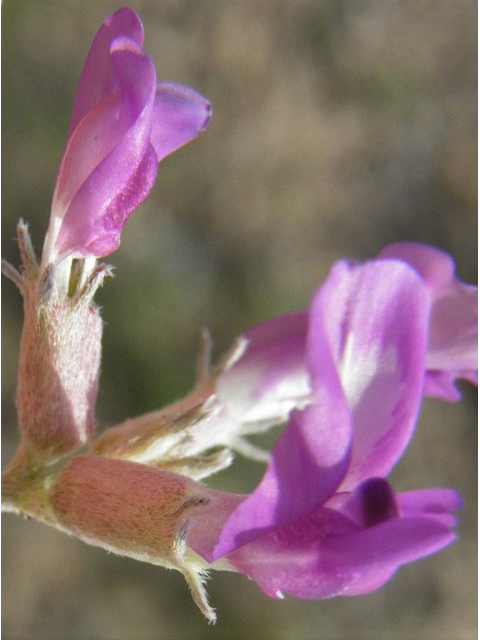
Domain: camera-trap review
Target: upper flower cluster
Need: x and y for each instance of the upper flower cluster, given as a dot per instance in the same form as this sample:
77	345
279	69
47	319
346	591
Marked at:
123	123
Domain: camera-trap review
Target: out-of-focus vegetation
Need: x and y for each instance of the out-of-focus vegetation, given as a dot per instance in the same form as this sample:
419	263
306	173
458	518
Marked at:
339	126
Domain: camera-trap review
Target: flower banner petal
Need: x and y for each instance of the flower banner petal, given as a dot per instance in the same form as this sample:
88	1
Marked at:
376	318
98	80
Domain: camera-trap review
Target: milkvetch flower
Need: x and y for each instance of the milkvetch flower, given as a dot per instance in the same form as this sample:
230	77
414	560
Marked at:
123	123
324	521
271	376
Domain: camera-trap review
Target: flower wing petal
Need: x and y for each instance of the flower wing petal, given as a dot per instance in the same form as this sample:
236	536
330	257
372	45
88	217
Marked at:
453	342
288	560
326	555
436	503
180	114
269	378
308	462
375	553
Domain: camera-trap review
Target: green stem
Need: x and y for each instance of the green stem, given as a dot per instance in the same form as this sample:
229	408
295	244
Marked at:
25	487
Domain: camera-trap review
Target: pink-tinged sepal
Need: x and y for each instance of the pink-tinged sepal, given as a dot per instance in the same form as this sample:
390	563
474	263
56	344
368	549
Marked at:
58	368
453	341
137	511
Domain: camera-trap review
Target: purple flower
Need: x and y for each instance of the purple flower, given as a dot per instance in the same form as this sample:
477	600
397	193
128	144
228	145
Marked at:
323	521
272	376
348	376
123	123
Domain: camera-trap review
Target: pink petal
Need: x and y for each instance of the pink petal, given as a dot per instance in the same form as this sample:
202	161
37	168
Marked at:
380	551
288	559
441	384
122	124
98	80
376	317
308	462
373	319
371	503
437	503
428	501
374	502
180	114
453	341
326	554
270	378
388	544
115	215
95	137
123	178
369	580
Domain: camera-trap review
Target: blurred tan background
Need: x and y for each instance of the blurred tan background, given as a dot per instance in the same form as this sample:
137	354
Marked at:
339	126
